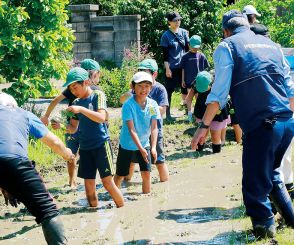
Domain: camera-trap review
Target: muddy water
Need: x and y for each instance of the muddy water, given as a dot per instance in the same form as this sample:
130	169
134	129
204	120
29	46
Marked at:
199	205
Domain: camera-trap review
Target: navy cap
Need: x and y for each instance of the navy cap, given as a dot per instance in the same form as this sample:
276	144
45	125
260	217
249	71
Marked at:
229	15
173	16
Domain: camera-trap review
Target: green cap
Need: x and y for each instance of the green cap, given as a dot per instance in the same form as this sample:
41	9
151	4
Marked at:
148	64
195	41
89	64
76	74
203	79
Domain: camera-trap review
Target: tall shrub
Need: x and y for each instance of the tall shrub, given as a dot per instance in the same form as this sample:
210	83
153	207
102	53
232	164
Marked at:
277	15
34	45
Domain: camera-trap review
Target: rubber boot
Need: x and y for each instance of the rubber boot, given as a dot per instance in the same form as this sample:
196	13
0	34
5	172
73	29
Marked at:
264	228
53	231
283	203
216	148
200	147
290	189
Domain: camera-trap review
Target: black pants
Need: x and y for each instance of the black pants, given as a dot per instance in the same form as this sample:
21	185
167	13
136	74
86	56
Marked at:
20	179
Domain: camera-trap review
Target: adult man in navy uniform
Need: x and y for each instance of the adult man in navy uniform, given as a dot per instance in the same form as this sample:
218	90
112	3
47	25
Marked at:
19	180
253	70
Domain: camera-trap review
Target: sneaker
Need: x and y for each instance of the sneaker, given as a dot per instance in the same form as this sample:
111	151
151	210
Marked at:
261	231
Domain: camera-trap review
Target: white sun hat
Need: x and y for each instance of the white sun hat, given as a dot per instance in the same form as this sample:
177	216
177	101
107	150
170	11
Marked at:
249	9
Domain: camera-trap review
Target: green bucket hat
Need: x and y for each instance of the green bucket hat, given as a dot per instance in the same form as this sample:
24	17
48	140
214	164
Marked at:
195	41
89	64
203	79
148	64
76	74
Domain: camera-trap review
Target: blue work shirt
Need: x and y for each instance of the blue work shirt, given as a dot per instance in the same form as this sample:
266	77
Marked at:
16	127
175	49
92	134
142	118
224	64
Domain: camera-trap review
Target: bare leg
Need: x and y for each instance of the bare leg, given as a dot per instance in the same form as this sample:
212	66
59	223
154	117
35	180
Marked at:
90	187
146	182
71	168
163	172
113	190
238	133
131	172
118	180
223	136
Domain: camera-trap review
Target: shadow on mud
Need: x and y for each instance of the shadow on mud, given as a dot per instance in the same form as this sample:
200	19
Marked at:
20	232
240	237
201	215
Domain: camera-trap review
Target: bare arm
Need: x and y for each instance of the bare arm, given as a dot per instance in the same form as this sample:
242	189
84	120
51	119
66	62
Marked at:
162	110
72	127
99	116
167	69
52	141
154	134
51	107
124	97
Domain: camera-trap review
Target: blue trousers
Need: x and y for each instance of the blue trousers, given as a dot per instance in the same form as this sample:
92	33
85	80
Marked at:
263	150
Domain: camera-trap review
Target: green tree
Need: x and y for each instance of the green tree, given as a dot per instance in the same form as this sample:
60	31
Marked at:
277	15
35	44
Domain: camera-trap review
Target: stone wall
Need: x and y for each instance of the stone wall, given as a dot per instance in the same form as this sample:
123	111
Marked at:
103	37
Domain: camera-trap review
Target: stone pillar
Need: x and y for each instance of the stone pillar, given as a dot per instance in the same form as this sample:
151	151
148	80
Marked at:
80	19
103	37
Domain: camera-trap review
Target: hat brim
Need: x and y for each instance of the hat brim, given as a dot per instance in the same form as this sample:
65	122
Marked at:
195	46
68	83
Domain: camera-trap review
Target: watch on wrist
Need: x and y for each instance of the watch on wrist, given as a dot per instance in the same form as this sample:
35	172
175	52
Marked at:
202	125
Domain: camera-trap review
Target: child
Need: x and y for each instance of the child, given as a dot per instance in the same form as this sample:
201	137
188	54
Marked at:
201	89
192	63
139	115
159	94
95	152
71	141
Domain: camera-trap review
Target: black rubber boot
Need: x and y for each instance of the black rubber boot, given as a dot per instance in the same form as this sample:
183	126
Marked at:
290	189
264	228
216	148
200	147
53	231
283	203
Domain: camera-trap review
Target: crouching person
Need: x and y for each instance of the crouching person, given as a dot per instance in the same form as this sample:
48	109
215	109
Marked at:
19	180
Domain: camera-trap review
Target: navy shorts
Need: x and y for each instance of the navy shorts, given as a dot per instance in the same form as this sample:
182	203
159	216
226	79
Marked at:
175	81
20	178
72	142
99	158
125	157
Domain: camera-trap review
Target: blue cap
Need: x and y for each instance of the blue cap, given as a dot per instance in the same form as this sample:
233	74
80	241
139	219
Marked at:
229	15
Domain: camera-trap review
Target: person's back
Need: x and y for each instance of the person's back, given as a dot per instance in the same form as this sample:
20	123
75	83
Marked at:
259	69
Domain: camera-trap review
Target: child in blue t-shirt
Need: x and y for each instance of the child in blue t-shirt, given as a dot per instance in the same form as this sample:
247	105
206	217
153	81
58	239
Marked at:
139	116
95	152
192	63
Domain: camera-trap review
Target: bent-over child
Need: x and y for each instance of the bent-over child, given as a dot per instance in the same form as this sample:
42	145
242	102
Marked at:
201	89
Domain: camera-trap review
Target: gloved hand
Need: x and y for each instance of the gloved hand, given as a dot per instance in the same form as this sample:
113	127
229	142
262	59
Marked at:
9	199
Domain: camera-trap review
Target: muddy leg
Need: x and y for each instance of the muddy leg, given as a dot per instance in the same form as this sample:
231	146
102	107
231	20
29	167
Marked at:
118	179
113	190
90	188
163	172
146	182
71	168
131	172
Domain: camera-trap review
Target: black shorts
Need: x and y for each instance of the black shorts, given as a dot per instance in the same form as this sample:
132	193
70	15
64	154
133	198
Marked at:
125	157
20	178
99	158
234	119
175	81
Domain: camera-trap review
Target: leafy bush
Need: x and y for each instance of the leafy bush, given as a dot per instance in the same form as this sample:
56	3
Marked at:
117	81
34	45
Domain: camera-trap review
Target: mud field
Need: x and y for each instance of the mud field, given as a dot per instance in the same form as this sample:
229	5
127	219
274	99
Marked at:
200	204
